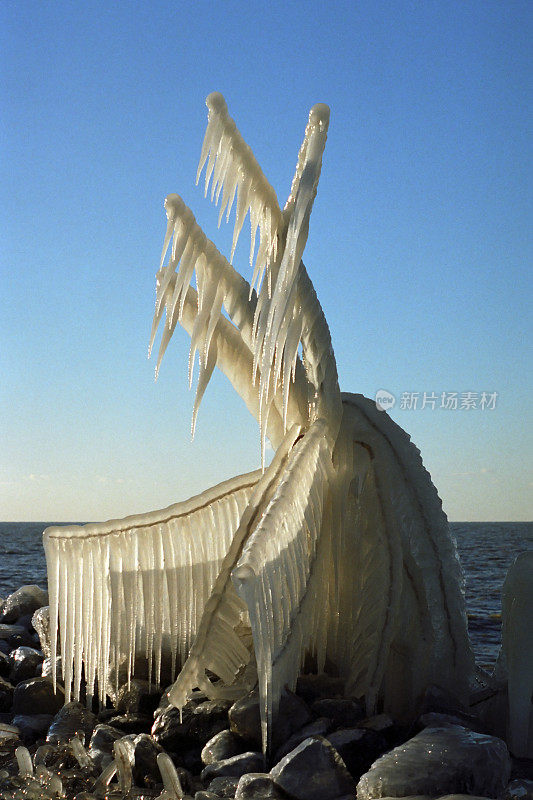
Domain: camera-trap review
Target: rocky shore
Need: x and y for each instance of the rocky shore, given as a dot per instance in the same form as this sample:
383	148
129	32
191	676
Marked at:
140	747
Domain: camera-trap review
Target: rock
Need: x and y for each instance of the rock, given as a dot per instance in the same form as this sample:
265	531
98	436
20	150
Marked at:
25	600
380	723
317	687
206	796
358	748
41	623
47	669
258	786
436	719
8	631
32	726
319	727
436	698
131	723
139	698
313	771
72	720
344	712
5	665
36	693
101	745
245	717
145	752
233	767
25	663
438	761
223	787
6	695
519	789
222	745
199	723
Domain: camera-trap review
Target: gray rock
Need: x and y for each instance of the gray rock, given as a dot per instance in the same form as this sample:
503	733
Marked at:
223	787
317	687
436	698
358	748
313	771
440	761
222	745
380	723
233	767
519	789
101	745
258	786
145	752
437	719
245	717
36	694
32	726
5	665
320	727
25	600
131	723
199	723
202	795
139	698
25	663
8	631
345	712
72	720
41	622
47	669
6	695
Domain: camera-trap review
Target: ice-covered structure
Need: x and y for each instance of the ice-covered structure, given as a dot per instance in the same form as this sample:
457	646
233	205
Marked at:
338	552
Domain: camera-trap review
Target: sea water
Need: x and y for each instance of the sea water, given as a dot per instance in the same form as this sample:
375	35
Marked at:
486	549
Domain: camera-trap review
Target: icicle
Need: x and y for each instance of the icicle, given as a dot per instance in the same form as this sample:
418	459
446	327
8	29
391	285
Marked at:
171	781
234	169
80	753
24	762
123	752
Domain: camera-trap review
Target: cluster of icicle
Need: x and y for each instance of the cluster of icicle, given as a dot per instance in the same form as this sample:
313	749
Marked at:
37	782
137	587
339	549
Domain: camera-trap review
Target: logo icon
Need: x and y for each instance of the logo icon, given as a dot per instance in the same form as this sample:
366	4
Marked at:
384	400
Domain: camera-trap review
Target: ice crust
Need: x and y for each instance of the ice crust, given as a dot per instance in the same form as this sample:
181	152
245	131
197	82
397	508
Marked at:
440	761
338	549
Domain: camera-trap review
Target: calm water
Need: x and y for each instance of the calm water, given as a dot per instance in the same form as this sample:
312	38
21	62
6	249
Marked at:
486	550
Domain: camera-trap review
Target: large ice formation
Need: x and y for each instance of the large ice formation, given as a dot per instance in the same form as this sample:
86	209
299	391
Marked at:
339	550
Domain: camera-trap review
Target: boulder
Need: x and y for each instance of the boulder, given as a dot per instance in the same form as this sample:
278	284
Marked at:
32	726
313	771
344	712
6	695
222	745
36	693
245	717
74	719
138	698
317	687
440	761
320	727
223	787
41	623
258	786
101	745
25	600
25	663
233	767
358	748
199	722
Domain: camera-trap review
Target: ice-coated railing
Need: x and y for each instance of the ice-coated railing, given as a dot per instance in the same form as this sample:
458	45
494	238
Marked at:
137	586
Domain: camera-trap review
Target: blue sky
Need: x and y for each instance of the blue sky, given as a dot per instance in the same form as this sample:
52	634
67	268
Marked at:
419	245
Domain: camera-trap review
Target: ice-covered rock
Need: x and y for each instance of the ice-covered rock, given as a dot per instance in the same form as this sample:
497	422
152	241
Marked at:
221	746
440	761
41	623
32	726
36	693
72	720
358	748
223	786
199	722
6	695
138	698
101	744
25	663
342	711
233	767
245	717
258	786
319	727
519	789
313	771
517	652
25	600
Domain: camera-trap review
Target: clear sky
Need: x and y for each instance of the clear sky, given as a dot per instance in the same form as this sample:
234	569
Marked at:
419	246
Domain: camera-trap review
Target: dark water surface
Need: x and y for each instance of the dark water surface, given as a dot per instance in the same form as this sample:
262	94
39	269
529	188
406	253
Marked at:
486	549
